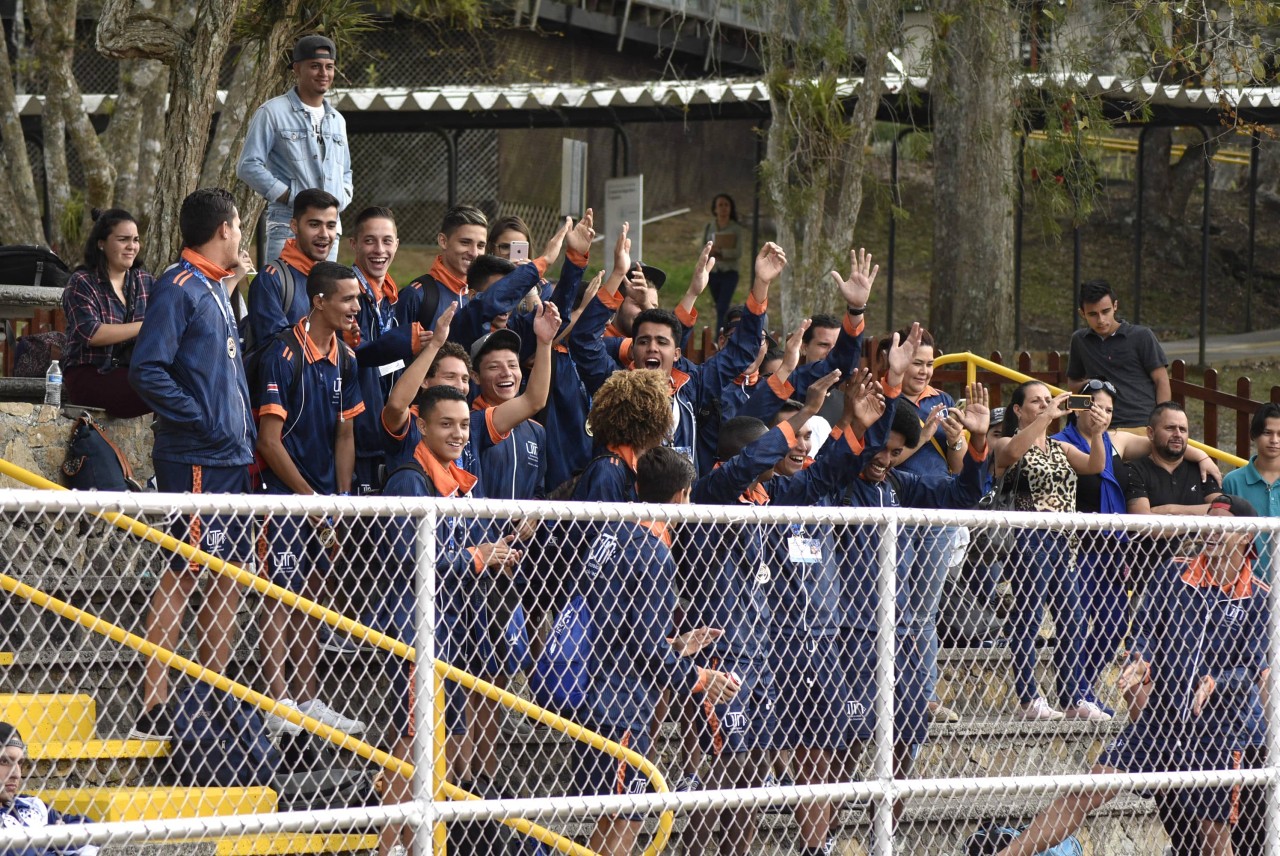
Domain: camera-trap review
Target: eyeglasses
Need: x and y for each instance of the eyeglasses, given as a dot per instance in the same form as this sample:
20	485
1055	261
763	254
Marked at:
1096	385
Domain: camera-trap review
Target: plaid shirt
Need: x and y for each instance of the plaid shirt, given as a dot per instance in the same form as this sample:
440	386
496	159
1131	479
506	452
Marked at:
89	303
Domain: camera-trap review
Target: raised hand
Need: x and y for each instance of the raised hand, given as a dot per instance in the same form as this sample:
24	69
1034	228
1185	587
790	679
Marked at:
701	272
443	322
551	251
975	417
769	262
580	236
622	252
816	395
901	353
863	401
856	290
791	352
546	323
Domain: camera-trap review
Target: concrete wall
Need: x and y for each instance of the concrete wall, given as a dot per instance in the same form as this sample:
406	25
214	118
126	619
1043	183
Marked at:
35	437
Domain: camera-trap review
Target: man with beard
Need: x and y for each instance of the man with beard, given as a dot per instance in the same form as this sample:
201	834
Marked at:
1164	482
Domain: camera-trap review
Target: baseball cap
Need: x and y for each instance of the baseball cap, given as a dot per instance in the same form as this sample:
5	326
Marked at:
315	47
498	339
733	318
657	277
9	736
1236	506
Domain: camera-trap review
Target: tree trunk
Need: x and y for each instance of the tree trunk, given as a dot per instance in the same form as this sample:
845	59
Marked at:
19	203
973	155
54	31
816	151
194	58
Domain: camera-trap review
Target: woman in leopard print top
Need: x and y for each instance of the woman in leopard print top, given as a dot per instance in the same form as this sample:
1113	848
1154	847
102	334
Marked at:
1042	566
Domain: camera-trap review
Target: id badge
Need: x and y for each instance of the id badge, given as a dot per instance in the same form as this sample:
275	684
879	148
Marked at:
383	371
804	551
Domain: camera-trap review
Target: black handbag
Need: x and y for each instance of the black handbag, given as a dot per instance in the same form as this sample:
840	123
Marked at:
994	542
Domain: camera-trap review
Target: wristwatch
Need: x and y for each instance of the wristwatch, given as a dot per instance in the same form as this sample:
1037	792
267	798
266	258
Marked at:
959	444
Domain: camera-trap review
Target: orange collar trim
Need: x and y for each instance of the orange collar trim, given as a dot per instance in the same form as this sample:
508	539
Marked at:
206	267
1197	574
659	529
446	277
310	350
449	480
292	255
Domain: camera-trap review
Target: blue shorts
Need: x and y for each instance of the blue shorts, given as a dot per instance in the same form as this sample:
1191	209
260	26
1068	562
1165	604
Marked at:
1137	750
910	706
597	773
746	722
394	614
812	710
227	536
365	477
289	550
404	694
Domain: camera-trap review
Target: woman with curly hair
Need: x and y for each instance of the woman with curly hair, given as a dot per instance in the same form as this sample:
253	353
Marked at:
630	414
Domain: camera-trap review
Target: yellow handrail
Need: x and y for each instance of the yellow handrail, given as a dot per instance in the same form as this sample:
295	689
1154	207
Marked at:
973	362
1122	144
367	634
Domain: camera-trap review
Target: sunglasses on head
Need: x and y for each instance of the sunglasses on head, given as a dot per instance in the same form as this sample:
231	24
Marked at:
1096	385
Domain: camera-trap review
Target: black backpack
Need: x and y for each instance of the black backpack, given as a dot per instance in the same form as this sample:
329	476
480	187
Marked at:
248	341
27	264
219	740
93	462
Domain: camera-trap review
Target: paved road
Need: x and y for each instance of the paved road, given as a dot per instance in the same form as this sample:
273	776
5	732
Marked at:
1223	349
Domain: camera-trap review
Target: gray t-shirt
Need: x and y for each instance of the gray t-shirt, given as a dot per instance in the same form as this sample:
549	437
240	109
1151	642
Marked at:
1126	358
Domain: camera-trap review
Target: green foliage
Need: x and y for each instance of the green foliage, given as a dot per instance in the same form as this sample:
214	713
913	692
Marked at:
72	221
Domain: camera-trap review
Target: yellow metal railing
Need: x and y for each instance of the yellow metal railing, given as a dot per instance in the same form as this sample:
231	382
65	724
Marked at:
1130	146
973	363
359	631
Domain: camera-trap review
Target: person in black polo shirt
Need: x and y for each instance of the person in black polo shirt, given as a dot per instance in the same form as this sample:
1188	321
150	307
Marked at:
1165	482
1126	354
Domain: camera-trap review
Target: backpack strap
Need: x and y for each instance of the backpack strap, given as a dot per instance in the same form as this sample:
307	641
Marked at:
430	302
89	422
411	465
287	286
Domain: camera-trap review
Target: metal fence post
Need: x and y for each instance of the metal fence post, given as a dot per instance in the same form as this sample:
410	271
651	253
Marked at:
428	753
1272	830
886	625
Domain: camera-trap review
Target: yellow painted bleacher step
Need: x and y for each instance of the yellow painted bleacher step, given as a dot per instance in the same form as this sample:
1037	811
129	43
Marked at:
116	804
72	750
51	717
155	803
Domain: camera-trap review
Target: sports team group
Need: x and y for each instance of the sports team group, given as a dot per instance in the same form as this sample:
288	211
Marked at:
491	377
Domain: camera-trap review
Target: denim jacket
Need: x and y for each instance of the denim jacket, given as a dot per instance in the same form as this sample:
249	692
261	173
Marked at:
281	153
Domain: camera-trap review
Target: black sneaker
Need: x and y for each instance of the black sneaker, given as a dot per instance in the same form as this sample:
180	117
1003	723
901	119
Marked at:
155	724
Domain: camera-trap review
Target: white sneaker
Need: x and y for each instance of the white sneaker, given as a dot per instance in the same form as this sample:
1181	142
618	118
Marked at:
277	725
1086	711
316	709
1038	710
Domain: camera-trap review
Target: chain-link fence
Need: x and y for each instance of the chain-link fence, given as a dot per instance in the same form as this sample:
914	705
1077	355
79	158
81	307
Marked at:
762	679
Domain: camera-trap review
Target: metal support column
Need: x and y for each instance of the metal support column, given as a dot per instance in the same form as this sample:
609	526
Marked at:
1204	245
1140	194
1255	146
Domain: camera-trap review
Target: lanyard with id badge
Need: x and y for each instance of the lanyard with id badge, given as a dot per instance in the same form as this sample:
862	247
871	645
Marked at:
801	549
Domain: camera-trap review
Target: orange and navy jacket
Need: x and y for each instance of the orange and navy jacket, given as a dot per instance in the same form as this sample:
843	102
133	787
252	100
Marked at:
267	313
187	367
326	394
626	576
732	569
1188	627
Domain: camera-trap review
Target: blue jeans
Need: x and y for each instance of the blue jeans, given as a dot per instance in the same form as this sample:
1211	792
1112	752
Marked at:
1105	606
1040	572
722	285
933	554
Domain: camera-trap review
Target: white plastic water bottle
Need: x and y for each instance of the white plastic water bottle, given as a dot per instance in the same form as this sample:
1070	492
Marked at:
53	385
